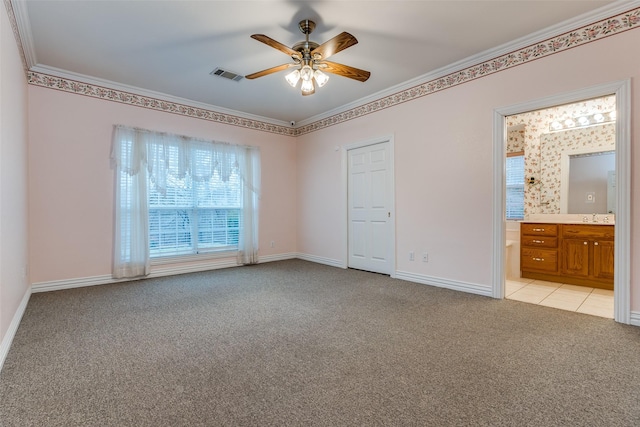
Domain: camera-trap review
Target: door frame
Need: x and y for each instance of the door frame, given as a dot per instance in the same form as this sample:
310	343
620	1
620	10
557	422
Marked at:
345	194
622	90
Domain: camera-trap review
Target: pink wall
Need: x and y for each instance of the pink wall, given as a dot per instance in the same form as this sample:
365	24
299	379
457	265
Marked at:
71	181
444	163
443	170
14	282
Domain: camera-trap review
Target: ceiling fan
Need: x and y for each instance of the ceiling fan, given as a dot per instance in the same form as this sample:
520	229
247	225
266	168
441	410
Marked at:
309	59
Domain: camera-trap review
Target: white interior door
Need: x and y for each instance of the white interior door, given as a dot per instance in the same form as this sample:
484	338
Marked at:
369	200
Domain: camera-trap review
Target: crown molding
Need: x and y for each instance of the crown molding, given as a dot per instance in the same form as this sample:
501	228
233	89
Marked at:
24	31
603	22
15	27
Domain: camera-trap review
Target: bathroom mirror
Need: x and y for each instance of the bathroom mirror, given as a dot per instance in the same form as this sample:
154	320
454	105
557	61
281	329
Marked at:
587	182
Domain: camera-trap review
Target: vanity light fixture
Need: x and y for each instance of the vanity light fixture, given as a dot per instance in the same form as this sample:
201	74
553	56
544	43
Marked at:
583	120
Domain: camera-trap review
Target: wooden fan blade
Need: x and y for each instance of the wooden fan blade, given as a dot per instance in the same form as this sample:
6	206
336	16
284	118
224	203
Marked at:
335	45
344	70
276	45
268	71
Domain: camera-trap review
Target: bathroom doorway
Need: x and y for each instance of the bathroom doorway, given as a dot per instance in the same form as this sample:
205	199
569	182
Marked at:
532	139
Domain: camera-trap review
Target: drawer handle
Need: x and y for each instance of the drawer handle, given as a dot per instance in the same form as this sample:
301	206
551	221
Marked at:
538	229
538	241
538	259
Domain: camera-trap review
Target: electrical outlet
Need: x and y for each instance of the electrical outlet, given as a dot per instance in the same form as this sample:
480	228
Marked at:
412	256
425	257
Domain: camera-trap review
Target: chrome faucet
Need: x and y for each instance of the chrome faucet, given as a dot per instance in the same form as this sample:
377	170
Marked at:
595	218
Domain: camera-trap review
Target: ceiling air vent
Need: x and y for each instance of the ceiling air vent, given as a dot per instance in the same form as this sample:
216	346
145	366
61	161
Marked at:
226	74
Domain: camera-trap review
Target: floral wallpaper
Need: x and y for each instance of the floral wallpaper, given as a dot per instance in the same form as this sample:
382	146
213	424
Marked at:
552	145
544	196
515	139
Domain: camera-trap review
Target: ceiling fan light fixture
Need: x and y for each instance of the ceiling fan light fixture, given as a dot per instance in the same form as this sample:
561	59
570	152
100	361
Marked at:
320	77
309	57
306	73
307	86
293	77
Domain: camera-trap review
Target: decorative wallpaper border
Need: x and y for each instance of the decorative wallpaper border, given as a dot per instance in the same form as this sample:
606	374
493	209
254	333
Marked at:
586	34
95	91
589	33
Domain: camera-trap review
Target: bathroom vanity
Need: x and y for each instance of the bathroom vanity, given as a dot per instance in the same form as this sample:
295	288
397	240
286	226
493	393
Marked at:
574	253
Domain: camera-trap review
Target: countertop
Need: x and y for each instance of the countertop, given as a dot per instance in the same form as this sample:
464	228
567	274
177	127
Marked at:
601	219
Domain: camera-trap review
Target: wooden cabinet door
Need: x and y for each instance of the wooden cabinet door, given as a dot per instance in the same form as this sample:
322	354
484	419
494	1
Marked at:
603	251
575	257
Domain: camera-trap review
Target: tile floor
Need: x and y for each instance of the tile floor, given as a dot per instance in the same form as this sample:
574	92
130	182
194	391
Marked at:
594	301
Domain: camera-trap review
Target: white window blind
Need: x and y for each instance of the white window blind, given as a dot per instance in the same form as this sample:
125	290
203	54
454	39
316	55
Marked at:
515	187
194	215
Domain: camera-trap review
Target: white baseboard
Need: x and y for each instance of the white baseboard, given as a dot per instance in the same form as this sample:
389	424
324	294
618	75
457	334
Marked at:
57	285
321	260
277	257
13	328
635	318
156	271
455	285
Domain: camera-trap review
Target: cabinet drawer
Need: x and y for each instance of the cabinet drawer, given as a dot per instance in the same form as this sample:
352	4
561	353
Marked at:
539	260
580	231
539	229
540	241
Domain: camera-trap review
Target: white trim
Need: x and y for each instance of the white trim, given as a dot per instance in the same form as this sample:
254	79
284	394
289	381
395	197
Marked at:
392	198
13	328
57	285
635	318
455	285
622	253
156	271
321	260
499	217
95	81
622	91
277	257
489	54
23	25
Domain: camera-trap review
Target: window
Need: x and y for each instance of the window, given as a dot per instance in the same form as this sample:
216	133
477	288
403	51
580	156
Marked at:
193	216
515	186
178	196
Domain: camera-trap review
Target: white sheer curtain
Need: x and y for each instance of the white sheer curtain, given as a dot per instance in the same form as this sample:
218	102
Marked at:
138	153
249	165
131	239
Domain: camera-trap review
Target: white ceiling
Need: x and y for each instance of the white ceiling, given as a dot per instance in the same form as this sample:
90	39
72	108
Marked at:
170	47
